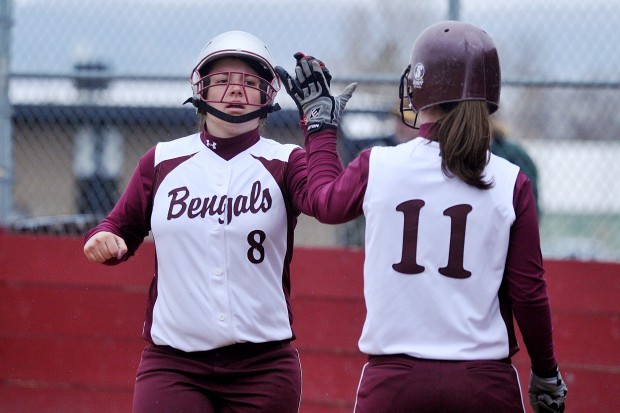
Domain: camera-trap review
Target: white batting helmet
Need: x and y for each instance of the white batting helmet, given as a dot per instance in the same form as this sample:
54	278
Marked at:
241	45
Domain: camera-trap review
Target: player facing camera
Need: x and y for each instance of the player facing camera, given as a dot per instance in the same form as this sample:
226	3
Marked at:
225	93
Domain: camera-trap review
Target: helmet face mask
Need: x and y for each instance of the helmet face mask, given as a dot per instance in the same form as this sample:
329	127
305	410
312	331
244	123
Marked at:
404	95
214	87
452	61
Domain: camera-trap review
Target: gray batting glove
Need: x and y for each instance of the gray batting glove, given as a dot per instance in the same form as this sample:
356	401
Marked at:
310	91
547	395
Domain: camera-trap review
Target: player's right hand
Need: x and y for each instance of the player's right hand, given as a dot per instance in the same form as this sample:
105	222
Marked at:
103	246
547	395
310	90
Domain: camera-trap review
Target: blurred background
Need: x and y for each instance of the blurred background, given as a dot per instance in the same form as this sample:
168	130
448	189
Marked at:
87	87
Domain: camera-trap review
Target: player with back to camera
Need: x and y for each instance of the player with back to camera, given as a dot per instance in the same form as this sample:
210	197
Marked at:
222	205
452	249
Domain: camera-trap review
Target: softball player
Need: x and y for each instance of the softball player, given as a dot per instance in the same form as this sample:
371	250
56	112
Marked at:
452	243
222	205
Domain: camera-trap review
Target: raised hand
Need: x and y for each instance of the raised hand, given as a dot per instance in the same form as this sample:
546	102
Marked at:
310	90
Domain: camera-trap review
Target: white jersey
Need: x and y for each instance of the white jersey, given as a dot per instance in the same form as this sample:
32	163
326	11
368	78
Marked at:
461	232
220	229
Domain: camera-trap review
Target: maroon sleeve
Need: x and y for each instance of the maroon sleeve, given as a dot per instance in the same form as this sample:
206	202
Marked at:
527	288
297	181
335	195
130	218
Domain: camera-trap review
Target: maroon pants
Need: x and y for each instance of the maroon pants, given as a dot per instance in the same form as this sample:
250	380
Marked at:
257	378
403	384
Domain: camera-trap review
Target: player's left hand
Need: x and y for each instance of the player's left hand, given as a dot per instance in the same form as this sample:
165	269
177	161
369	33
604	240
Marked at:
547	395
299	56
311	92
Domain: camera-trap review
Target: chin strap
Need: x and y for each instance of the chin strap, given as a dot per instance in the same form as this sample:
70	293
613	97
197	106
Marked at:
202	107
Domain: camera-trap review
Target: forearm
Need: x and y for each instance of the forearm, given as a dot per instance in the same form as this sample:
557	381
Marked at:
335	194
536	329
330	193
324	163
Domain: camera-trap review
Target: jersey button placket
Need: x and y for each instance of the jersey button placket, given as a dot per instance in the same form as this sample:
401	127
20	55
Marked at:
222	292
222	182
222	176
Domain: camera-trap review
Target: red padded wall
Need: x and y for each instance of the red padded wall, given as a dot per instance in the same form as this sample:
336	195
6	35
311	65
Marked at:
70	330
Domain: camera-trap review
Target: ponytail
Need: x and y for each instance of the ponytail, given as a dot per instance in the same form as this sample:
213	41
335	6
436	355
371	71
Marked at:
464	136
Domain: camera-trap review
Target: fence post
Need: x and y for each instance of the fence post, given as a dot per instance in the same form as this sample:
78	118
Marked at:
454	12
6	139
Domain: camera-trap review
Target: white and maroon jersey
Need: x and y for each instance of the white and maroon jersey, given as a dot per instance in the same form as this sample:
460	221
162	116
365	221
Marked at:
222	214
436	250
447	265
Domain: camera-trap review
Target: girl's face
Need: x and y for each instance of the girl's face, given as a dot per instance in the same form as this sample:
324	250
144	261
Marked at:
233	87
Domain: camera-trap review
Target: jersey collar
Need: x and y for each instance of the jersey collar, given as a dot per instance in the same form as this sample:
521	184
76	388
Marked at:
425	130
228	148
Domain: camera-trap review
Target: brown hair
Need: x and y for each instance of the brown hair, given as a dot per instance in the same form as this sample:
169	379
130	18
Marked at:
202	120
464	136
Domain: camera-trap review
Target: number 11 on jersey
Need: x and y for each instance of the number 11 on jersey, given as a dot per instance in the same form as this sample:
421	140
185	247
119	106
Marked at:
408	263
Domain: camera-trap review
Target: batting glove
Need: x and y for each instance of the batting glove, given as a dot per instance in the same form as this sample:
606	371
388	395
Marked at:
547	395
310	92
289	83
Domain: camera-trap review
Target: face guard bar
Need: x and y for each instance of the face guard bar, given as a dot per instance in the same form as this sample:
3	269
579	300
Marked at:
225	80
404	85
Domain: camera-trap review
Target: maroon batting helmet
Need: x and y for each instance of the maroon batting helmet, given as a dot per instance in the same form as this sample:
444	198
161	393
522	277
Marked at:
452	61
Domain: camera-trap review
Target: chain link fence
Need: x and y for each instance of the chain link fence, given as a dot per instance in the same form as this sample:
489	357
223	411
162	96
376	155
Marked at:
92	85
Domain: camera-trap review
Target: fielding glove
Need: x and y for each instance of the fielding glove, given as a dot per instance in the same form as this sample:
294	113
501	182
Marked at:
310	92
547	395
